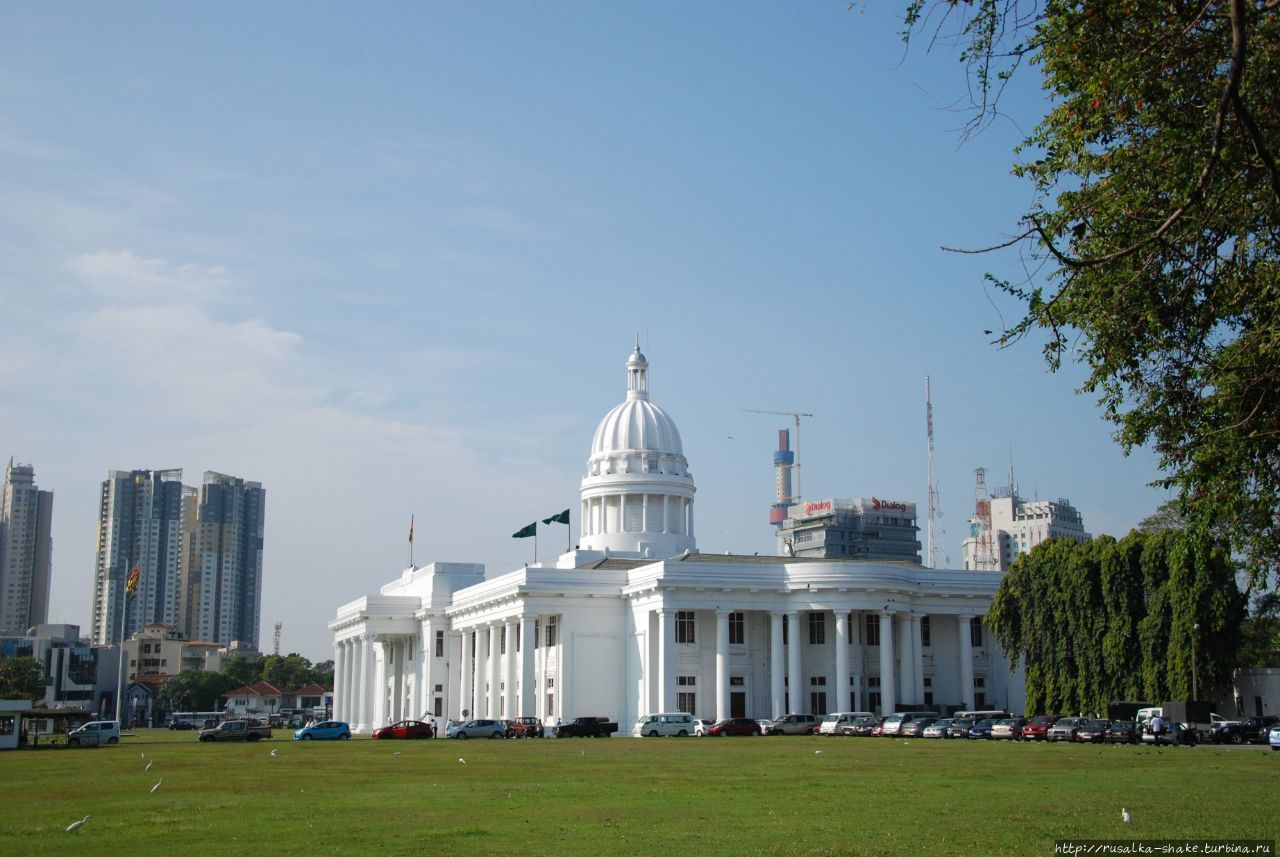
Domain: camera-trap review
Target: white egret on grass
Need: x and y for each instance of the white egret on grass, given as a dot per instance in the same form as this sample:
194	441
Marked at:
149	764
157	785
76	825
461	761
1125	816
274	751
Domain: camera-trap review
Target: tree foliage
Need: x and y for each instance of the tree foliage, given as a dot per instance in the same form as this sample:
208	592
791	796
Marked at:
1154	237
1109	619
22	678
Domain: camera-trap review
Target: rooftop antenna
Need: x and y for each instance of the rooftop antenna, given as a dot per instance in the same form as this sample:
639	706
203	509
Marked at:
937	532
795	415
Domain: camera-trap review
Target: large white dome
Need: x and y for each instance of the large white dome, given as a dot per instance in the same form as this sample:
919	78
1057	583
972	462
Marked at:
637	495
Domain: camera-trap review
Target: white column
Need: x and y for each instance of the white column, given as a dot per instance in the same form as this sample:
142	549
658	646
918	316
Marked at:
966	660
427	674
917	659
856	658
398	651
666	518
364	682
842	661
689	520
466	696
564	680
795	688
906	660
722	664
453	667
666	659
495	670
777	670
622	513
510	707
528	704
888	691
380	686
339	673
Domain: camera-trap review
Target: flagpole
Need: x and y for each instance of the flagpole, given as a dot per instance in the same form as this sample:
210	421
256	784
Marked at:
124	599
535	544
411	541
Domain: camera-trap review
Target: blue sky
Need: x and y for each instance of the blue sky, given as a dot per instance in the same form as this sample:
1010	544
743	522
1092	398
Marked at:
391	261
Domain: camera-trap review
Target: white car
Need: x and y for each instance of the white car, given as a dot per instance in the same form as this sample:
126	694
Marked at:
1273	737
95	734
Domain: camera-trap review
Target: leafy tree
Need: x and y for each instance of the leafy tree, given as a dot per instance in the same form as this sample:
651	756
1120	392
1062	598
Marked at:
1113	619
1154	235
178	693
241	671
322	674
289	672
208	688
22	678
1261	632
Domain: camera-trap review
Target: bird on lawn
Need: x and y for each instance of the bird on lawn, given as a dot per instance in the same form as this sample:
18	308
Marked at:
157	785
397	753
461	761
143	755
817	752
149	764
76	825
1125	816
274	751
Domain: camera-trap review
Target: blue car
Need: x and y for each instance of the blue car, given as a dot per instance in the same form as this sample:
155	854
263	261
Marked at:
327	730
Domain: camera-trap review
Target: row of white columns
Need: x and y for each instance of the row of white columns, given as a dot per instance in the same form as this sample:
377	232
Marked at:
510	676
781	681
665	508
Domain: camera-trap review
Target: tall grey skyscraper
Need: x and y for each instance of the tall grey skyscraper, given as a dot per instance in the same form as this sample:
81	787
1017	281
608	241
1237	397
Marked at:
222	561
26	515
139	526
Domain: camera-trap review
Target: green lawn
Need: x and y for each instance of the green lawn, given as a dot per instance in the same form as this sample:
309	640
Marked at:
782	795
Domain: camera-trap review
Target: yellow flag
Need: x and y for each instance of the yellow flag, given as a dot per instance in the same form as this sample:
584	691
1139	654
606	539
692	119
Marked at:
131	586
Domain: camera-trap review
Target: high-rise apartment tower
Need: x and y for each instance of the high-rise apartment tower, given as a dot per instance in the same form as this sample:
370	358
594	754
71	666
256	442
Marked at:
26	515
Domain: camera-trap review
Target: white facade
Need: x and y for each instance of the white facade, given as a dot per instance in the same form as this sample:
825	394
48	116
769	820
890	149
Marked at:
637	621
1014	526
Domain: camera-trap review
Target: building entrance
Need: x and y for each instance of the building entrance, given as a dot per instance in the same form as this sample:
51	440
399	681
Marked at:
737	704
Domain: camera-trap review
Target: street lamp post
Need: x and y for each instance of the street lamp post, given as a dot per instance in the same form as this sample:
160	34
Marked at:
1195	632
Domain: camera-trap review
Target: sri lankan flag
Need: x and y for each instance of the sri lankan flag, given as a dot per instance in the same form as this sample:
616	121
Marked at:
131	586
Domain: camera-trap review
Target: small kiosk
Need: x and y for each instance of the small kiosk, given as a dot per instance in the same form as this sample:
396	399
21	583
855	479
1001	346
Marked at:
11	714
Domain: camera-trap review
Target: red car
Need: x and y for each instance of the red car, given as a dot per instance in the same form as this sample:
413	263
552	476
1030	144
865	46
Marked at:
1037	729
735	726
405	729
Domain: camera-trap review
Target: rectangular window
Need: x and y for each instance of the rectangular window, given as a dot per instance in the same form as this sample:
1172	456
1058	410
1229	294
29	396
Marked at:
928	692
686	681
975	631
439	644
818	681
873	629
817	629
687	702
737	629
552	628
502	640
685	626
924	631
736	681
873	692
438	707
551	704
537	632
785	629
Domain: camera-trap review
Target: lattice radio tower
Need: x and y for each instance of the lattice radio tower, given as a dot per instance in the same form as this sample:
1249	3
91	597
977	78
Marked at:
279	625
937	533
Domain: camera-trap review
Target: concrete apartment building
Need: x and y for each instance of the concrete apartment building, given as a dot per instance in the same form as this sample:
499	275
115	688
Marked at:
26	547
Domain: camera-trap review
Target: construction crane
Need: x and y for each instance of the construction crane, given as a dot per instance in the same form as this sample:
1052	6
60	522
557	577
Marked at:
279	625
937	534
795	415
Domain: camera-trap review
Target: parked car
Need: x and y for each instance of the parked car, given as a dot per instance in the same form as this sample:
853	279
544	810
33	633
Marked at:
701	728
95	734
794	724
1122	732
835	722
1251	731
325	730
1009	729
1065	729
587	727
1273	737
862	726
1174	733
405	729
1092	731
1037	728
937	729
765	724
484	728
981	731
735	726
181	725
665	724
529	727
916	728
960	727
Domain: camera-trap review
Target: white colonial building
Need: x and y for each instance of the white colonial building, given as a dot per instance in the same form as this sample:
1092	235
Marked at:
636	620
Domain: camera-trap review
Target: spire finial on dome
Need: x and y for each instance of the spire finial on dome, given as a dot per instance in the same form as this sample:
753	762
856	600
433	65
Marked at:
637	374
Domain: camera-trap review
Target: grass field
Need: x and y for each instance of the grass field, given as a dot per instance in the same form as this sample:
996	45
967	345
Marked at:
770	796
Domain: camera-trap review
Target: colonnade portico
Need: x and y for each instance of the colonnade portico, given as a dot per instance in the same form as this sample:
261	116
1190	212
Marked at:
791	671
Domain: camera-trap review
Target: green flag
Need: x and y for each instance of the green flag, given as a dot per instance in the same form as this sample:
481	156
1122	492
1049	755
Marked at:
531	530
562	518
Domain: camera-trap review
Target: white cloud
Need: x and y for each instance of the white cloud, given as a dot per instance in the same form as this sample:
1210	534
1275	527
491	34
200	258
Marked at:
122	275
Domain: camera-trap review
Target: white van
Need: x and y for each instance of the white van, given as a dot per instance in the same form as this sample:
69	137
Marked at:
95	734
668	723
894	722
834	723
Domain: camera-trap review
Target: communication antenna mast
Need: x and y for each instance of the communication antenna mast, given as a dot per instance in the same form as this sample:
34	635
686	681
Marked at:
984	557
795	415
279	625
937	532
